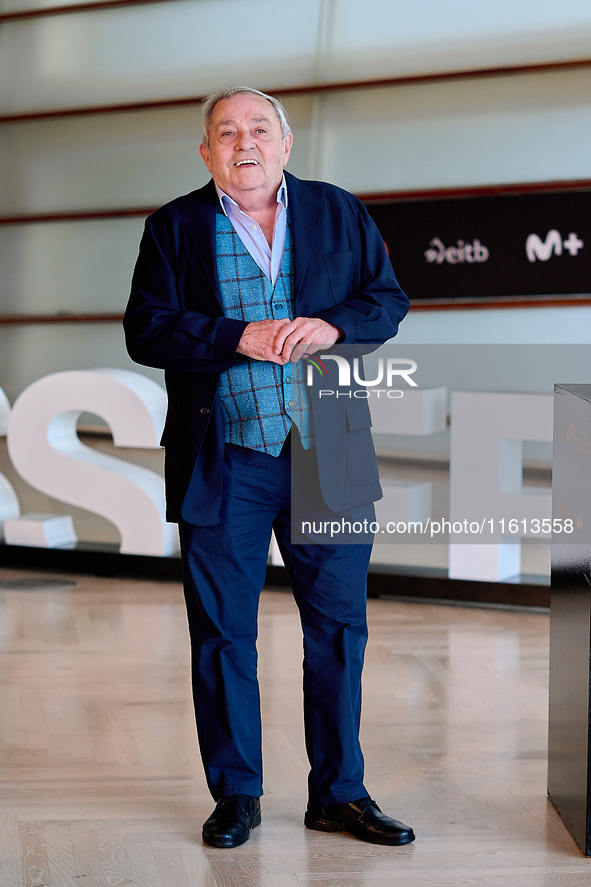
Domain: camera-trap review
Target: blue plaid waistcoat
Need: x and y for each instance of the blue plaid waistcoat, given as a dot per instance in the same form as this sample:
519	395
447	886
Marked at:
260	399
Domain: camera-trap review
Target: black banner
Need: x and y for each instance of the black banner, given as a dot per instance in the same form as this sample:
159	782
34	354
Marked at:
489	247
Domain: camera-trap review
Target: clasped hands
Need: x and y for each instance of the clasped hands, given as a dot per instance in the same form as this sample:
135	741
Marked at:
285	341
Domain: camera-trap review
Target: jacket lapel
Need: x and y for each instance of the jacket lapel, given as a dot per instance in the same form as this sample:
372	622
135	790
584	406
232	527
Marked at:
198	211
305	212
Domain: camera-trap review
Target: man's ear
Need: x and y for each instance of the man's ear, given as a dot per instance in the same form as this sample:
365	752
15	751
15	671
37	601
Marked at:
287	143
204	151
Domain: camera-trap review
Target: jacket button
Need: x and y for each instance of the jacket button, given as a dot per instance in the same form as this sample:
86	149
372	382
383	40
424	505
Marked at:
204	411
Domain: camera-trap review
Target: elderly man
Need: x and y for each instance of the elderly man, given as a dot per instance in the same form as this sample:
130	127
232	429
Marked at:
234	284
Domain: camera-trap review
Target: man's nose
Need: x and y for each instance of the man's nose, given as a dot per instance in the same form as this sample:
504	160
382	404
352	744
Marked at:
244	140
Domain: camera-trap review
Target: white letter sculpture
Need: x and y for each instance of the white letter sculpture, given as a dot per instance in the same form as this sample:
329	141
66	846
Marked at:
485	485
45	450
4	413
9	507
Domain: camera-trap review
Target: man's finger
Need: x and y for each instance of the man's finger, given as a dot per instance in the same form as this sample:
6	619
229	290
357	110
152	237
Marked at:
300	351
282	335
292	343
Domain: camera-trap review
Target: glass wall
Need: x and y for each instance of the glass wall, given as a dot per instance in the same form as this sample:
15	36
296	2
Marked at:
456	133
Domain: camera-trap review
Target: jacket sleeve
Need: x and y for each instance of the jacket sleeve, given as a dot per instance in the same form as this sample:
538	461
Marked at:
373	308
161	329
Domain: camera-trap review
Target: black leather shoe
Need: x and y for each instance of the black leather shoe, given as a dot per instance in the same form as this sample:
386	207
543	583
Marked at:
230	823
363	819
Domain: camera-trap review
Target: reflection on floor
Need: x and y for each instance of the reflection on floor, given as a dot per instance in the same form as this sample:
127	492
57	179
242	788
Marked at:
102	779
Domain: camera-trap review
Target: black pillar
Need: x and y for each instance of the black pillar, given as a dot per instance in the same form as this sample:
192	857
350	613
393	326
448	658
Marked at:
569	746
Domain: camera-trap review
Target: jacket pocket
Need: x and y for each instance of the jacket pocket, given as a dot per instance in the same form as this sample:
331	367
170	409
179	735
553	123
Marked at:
341	267
361	457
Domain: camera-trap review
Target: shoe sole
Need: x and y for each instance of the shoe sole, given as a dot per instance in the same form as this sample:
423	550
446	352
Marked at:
325	825
225	845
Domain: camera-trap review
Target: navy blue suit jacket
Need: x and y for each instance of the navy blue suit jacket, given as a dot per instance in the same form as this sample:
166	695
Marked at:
174	320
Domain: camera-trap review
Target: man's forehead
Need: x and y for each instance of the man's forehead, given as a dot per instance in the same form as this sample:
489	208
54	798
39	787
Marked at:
256	108
254	118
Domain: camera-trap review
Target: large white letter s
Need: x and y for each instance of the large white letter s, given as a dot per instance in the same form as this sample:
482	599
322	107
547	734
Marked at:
45	450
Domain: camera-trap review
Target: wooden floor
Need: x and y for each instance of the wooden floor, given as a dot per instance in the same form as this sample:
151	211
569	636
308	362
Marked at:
102	784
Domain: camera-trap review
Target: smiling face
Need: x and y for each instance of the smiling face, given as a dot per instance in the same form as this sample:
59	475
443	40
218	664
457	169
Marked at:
246	152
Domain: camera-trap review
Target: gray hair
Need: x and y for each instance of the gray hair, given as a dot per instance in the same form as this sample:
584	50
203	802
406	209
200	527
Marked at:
226	92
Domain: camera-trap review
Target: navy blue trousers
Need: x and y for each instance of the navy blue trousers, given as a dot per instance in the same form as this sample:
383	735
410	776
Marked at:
223	573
